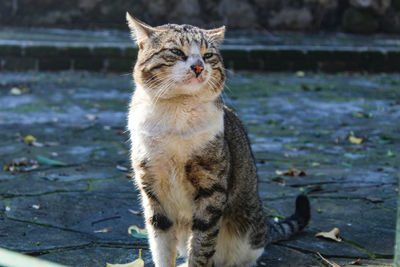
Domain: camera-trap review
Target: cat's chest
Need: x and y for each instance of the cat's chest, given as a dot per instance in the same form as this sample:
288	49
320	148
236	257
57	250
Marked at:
172	133
167	141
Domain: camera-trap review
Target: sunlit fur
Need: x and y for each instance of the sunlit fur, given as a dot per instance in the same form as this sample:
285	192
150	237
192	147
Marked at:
170	119
191	155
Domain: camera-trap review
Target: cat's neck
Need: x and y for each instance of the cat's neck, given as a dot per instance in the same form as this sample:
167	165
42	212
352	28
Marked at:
180	115
179	102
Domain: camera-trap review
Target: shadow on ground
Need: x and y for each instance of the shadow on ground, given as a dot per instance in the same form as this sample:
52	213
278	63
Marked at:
79	214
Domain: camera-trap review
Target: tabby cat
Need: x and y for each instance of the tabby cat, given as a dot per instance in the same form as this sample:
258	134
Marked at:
191	154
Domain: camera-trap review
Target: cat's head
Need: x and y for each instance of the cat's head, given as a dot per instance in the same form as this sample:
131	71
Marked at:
178	60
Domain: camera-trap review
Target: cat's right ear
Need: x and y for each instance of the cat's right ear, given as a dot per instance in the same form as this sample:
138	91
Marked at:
140	31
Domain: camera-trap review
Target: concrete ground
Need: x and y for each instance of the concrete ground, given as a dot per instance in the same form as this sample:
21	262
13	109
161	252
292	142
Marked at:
78	214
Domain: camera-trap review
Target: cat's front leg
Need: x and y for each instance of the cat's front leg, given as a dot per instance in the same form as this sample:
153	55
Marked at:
162	245
208	173
161	230
205	229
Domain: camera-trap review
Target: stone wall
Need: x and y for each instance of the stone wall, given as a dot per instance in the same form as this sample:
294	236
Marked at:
357	16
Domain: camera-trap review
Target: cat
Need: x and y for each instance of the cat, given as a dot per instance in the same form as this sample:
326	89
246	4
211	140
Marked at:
191	154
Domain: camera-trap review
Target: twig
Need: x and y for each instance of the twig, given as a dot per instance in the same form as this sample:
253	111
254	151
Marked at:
331	264
106	219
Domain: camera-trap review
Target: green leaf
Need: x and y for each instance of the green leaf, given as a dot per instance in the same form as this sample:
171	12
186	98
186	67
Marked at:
51	162
137	232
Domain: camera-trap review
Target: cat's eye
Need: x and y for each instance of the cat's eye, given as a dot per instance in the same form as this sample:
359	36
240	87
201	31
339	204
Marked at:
207	55
178	52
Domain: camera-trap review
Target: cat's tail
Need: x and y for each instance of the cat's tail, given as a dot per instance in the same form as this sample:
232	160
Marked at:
284	229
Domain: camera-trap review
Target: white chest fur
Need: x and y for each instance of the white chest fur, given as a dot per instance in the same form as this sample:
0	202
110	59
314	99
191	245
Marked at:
168	133
175	128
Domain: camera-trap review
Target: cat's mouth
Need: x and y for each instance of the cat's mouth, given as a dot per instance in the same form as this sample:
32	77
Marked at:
194	80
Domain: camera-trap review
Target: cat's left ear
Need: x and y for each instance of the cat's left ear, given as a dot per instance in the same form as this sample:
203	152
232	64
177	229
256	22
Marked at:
217	35
140	31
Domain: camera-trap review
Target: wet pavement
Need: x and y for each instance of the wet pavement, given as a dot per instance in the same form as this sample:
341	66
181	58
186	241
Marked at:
78	213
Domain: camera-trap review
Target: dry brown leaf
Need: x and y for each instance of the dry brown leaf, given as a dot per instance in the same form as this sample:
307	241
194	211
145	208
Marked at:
332	235
21	164
374	199
356	262
291	172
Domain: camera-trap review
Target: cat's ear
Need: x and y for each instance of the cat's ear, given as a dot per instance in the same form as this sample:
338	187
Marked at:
140	31
217	34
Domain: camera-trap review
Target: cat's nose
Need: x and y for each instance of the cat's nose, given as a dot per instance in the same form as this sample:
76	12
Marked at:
197	67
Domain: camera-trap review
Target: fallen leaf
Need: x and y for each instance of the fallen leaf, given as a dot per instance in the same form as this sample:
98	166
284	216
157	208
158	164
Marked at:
21	164
355	140
137	263
8	208
51	162
136	212
122	168
15	91
356	262
18	91
390	153
291	172
374	199
330	263
29	139
37	144
104	230
91	117
36	207
300	73
332	235
137	232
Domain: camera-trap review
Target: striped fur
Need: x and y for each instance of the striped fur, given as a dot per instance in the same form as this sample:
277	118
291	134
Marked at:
191	154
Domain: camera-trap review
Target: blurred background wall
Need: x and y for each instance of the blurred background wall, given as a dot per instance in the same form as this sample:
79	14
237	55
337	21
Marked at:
356	16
